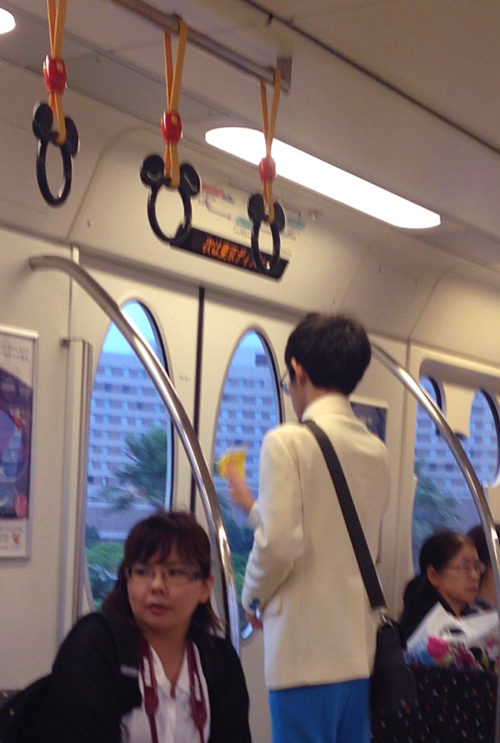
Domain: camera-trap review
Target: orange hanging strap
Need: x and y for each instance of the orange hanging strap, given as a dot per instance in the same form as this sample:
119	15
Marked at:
267	166
54	69
171	123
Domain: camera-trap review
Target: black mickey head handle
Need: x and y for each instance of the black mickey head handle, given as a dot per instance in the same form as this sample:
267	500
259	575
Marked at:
42	129
257	215
152	175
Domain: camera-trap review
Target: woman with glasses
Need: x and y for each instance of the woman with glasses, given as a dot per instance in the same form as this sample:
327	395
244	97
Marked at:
450	572
150	666
451	657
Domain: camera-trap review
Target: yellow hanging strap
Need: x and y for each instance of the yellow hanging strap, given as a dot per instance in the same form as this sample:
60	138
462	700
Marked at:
171	123
267	166
54	69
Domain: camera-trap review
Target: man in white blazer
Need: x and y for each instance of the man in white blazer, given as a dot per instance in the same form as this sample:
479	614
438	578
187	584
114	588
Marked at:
302	580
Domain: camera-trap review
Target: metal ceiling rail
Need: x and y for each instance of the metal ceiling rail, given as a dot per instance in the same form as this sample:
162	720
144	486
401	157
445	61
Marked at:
170	22
467	470
179	417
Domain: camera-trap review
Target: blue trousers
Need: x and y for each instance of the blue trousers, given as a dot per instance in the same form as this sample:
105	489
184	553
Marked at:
326	713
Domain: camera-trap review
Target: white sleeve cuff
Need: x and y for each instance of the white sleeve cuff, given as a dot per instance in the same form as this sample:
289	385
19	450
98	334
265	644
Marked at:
253	520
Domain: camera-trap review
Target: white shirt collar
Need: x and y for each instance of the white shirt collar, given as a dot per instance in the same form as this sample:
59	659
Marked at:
162	679
330	402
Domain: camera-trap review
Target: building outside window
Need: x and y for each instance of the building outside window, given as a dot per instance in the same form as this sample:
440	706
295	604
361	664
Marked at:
130	479
251	370
442	497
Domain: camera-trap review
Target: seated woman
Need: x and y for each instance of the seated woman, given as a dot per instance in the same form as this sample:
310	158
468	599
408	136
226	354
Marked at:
150	667
456	698
450	570
486	596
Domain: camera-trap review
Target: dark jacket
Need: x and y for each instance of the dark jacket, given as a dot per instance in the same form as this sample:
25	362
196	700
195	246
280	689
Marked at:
95	682
418	599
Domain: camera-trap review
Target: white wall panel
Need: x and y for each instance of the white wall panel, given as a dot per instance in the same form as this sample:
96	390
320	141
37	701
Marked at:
37	302
462	318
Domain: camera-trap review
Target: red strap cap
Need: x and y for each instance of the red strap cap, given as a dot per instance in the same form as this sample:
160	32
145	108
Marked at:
267	169
171	127
54	74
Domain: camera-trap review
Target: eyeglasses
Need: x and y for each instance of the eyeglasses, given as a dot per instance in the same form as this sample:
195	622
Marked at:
173	575
284	382
468	567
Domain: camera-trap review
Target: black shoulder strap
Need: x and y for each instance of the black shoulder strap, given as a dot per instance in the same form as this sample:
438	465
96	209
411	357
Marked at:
358	541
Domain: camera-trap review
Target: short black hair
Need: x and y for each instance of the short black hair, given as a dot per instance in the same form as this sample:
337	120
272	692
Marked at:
333	349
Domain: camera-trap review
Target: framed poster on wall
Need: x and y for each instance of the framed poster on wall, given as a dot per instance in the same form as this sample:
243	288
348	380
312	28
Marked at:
17	379
373	415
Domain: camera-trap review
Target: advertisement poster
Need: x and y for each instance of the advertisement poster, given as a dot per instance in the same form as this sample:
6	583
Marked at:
17	371
373	416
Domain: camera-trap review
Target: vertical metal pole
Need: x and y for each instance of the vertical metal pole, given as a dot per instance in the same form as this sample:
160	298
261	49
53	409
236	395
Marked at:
197	381
81	495
79	378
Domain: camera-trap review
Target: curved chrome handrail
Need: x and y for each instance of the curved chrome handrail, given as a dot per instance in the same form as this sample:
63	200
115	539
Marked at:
467	470
179	417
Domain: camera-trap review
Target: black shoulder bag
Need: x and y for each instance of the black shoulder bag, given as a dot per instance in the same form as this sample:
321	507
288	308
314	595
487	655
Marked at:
392	684
20	713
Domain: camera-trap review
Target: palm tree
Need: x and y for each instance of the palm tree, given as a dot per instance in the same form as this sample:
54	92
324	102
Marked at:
145	473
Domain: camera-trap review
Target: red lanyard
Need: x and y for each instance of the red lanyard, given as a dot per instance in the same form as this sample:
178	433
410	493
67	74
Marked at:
149	683
198	705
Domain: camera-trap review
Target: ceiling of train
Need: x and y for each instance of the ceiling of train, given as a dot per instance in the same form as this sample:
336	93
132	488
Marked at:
401	92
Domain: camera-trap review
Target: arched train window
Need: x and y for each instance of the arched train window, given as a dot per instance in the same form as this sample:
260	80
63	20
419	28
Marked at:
130	450
249	406
482	449
437	476
442	497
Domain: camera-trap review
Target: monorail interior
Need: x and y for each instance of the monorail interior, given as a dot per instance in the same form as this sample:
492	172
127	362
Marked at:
396	92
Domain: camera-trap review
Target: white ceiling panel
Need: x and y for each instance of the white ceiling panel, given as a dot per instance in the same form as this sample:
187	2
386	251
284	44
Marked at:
401	92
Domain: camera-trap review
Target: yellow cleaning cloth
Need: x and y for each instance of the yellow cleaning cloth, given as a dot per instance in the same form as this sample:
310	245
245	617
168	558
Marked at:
235	458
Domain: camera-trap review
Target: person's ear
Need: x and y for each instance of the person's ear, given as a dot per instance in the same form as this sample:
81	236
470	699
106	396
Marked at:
299	371
432	575
206	591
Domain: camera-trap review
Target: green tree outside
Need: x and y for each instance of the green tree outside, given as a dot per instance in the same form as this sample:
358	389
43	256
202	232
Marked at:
144	476
103	560
433	510
145	473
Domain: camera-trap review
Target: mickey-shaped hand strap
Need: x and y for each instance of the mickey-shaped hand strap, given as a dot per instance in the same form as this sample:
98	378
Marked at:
257	203
66	136
257	215
153	175
157	172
